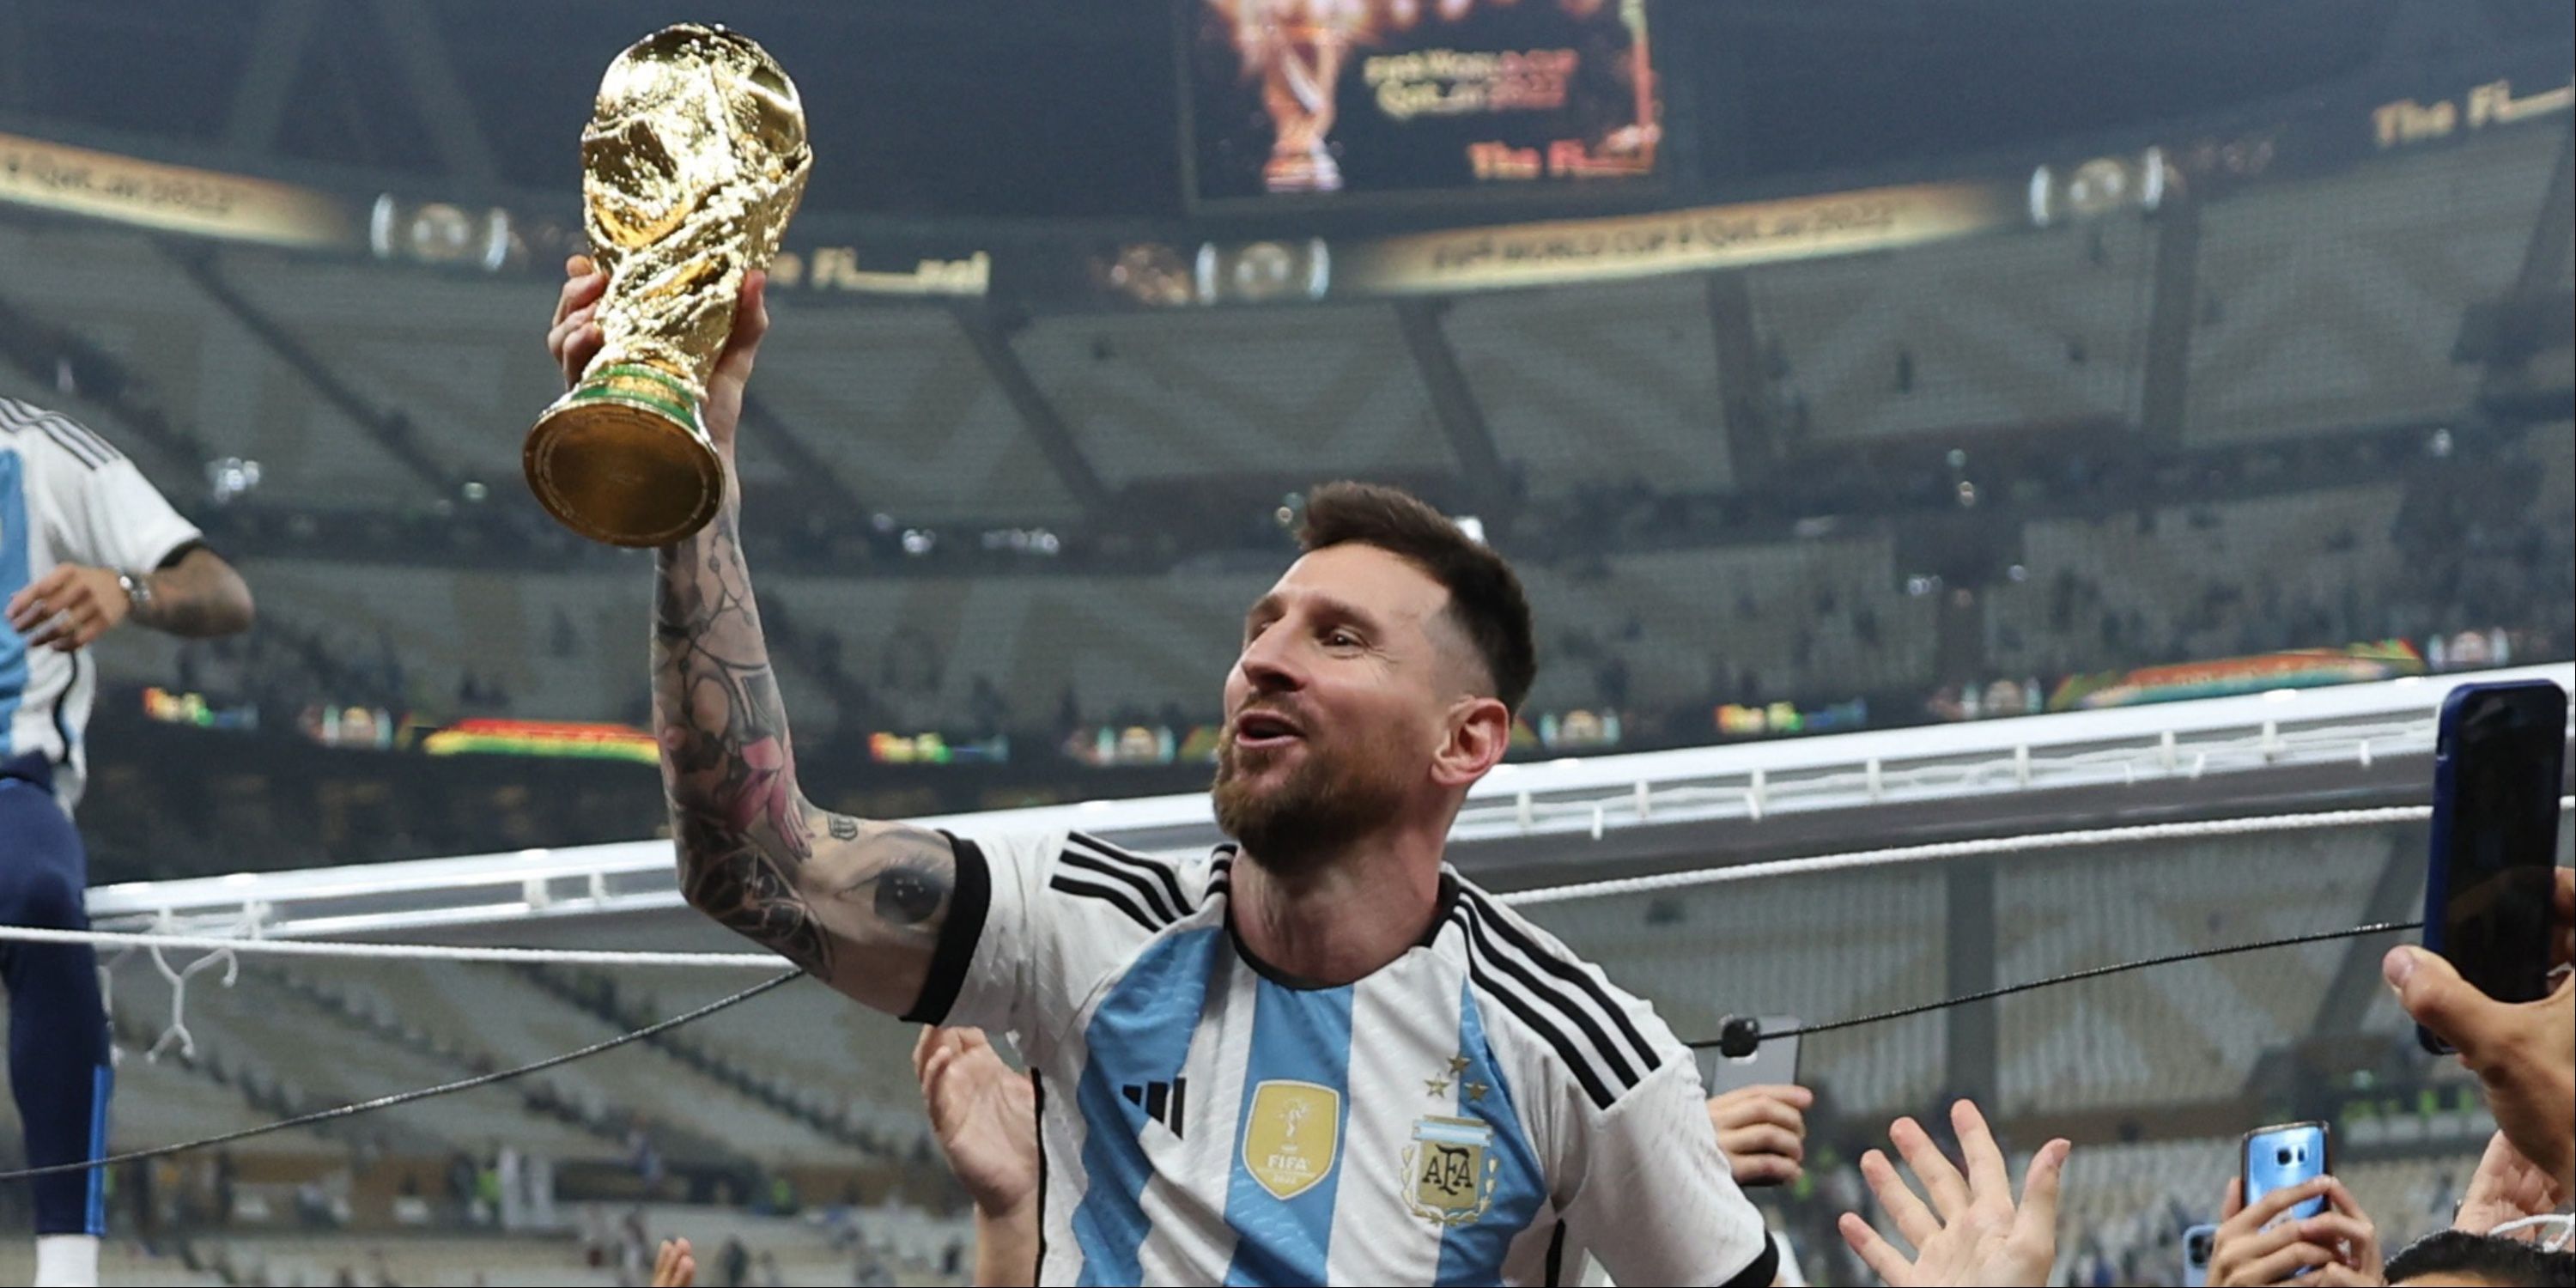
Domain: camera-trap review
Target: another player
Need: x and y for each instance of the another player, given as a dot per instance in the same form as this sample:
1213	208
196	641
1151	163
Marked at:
85	545
1320	1055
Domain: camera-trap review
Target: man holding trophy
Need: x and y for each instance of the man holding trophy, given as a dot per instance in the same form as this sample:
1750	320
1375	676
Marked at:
1319	1055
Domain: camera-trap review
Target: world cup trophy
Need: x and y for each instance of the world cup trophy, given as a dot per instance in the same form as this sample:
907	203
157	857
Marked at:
692	164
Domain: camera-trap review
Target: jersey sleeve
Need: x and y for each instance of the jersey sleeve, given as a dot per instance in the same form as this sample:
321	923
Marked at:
1657	1203
1037	922
104	514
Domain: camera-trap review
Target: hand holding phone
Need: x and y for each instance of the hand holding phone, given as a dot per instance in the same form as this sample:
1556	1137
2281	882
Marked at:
2276	1158
2497	765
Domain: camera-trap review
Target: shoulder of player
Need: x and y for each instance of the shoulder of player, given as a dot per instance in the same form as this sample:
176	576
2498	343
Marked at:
1149	892
51	433
1563	1017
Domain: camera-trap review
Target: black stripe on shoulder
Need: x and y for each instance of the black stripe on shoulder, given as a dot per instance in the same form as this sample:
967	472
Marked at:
85	447
1481	951
1125	876
1114	897
54	430
1765	1268
1571	973
1160	870
1566	1048
89	436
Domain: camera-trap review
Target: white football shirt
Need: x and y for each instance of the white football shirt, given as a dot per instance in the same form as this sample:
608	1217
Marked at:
1485	1109
66	496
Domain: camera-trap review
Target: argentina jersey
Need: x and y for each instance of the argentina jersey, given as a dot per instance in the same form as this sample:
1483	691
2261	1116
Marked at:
1485	1109
66	496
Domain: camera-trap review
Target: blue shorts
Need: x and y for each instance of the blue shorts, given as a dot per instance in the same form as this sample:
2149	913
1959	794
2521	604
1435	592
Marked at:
58	1055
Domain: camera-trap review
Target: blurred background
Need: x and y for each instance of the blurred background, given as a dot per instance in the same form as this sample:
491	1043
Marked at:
1825	366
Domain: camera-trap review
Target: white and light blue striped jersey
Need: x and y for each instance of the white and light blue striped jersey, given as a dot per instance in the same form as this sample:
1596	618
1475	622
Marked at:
66	496
1485	1109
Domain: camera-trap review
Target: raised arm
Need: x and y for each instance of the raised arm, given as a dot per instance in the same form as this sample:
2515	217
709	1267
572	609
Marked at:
857	903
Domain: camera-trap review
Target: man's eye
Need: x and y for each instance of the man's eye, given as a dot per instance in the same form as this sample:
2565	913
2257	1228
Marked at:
1342	639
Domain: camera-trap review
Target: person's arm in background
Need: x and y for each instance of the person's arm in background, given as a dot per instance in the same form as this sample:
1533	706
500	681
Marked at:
2524	1053
1972	1232
984	1115
1762	1130
2337	1248
197	597
2506	1187
859	904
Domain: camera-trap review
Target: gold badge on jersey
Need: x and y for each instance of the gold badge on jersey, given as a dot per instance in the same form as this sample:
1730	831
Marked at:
1450	1168
1291	1136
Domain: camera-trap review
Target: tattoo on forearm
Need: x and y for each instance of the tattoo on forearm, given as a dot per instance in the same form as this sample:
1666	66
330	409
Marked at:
198	597
746	833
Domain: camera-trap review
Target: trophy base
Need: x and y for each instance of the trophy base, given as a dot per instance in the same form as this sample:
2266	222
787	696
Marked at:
621	459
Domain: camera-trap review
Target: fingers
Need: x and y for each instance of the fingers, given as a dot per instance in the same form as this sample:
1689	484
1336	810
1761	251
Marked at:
583	284
1742	1109
28	607
1882	1259
2257	1215
2235	1201
1986	1172
1897	1199
2435	995
2039	1186
750	323
2333	1229
1762	1138
1948	1190
2338	1275
1787	1093
1761	1169
2279	1264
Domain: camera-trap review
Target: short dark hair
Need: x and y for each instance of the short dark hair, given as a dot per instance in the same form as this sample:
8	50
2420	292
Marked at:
1485	596
2483	1256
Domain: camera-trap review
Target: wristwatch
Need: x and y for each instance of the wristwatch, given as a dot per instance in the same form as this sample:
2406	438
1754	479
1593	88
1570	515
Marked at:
138	590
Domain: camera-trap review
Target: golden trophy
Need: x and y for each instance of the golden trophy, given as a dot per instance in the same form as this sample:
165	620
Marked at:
692	164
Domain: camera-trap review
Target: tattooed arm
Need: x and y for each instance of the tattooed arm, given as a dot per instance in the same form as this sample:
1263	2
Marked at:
859	904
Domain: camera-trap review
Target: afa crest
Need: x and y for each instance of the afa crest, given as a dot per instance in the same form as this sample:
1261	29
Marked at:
1450	1169
1292	1136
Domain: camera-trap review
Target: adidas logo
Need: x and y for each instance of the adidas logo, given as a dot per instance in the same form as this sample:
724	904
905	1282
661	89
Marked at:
1161	1100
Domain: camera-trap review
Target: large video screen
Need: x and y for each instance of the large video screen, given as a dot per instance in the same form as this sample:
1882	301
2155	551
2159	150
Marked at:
1311	98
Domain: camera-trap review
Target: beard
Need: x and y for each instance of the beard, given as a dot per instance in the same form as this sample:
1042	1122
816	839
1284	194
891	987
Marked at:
1300	820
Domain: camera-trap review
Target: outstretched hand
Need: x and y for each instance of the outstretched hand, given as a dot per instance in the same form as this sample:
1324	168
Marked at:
984	1114
1972	1232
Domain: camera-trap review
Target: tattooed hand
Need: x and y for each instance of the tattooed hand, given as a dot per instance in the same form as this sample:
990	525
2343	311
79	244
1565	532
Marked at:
859	904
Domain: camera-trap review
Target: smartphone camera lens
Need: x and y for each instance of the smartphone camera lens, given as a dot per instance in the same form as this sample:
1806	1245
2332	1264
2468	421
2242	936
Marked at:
2281	1156
2199	1248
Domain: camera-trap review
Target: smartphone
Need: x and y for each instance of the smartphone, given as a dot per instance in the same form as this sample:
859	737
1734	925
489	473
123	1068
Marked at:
2196	1244
2279	1157
1765	1062
2496	767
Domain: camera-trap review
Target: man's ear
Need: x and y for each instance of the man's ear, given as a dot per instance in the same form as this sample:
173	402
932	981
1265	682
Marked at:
1480	731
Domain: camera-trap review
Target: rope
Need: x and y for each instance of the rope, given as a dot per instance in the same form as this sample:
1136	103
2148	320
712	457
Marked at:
419	1093
393	952
2096	972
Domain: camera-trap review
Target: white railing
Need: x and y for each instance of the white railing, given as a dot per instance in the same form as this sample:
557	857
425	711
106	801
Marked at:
2351	724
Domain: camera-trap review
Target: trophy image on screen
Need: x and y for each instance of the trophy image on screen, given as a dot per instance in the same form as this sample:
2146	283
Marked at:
692	164
1297	47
